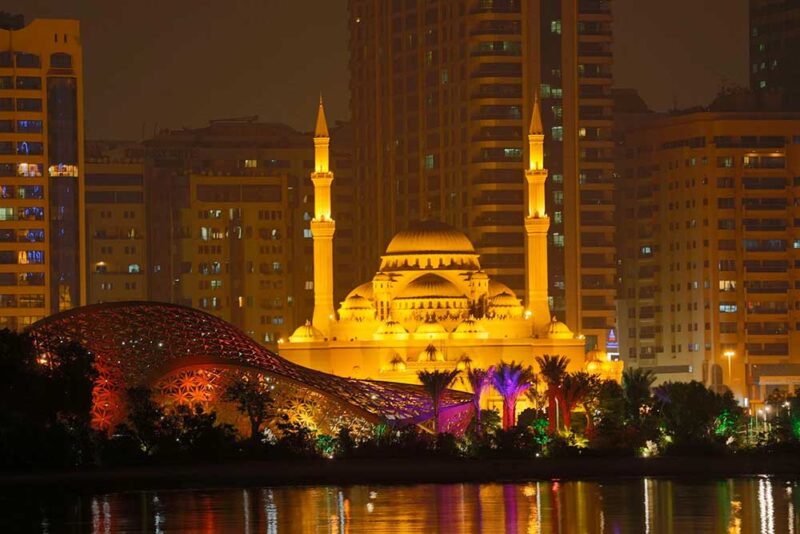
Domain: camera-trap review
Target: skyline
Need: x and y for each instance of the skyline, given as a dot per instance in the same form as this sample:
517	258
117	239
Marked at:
313	58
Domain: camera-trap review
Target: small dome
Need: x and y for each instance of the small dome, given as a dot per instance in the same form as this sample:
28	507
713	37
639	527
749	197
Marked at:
558	330
390	330
306	334
430	237
431	354
430	286
430	330
470	329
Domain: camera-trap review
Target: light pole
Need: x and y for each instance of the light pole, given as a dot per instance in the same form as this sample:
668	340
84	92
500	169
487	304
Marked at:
729	354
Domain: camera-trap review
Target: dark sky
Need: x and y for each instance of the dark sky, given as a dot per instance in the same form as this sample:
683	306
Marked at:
180	62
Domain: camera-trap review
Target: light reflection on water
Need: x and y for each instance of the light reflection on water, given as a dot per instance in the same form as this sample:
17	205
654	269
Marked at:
758	504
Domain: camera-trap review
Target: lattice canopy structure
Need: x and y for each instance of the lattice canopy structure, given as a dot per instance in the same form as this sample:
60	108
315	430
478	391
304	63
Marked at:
182	352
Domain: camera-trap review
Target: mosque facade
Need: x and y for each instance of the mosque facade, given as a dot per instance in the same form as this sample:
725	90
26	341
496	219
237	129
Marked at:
430	305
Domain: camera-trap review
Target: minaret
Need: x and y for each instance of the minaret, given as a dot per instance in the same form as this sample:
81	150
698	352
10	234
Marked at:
322	226
537	223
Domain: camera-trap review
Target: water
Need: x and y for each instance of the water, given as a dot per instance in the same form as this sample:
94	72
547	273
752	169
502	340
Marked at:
758	504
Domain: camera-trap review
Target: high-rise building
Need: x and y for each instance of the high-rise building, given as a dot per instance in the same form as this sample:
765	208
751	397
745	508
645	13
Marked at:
774	42
440	96
115	222
41	167
227	211
709	240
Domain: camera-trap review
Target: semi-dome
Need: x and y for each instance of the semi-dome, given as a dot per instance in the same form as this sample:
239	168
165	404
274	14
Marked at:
306	334
430	286
496	288
364	290
430	237
357	302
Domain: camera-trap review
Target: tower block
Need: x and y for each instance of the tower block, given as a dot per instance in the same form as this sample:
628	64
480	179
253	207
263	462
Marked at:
322	226
537	224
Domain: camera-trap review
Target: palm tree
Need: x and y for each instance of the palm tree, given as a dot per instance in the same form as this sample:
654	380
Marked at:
636	383
479	380
436	383
511	380
552	369
575	389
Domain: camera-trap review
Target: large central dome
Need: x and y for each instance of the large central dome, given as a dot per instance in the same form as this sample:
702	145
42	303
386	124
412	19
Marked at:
430	237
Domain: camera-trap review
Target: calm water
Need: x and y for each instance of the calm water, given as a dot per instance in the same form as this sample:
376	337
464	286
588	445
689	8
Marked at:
767	505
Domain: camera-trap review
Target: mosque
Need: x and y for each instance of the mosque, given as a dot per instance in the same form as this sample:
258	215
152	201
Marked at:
430	305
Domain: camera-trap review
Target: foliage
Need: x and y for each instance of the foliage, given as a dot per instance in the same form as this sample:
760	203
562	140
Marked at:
693	416
436	383
253	399
511	380
553	369
479	381
45	405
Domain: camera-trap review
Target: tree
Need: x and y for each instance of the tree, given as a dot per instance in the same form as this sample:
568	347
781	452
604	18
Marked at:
479	380
435	384
636	383
511	380
693	415
576	388
553	369
252	399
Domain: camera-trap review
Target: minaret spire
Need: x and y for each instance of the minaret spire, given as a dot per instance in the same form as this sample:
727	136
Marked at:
322	225
536	127
537	223
321	128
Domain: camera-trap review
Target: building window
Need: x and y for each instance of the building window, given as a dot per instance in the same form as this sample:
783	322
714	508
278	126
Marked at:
133	268
725	162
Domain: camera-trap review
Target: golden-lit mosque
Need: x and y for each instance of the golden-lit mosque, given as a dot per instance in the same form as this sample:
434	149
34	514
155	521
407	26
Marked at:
430	305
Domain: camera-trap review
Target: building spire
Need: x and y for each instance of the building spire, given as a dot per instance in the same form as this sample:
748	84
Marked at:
536	118
321	129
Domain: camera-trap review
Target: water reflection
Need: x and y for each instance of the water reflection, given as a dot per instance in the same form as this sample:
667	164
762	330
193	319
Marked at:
759	504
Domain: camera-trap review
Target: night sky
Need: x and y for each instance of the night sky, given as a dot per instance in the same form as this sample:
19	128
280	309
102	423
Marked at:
174	63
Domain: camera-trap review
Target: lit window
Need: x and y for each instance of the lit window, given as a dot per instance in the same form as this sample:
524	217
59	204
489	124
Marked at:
133	268
727	285
727	307
250	163
307	233
309	285
555	26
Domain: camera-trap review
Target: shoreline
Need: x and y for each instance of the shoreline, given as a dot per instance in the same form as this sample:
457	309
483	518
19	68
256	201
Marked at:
398	471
